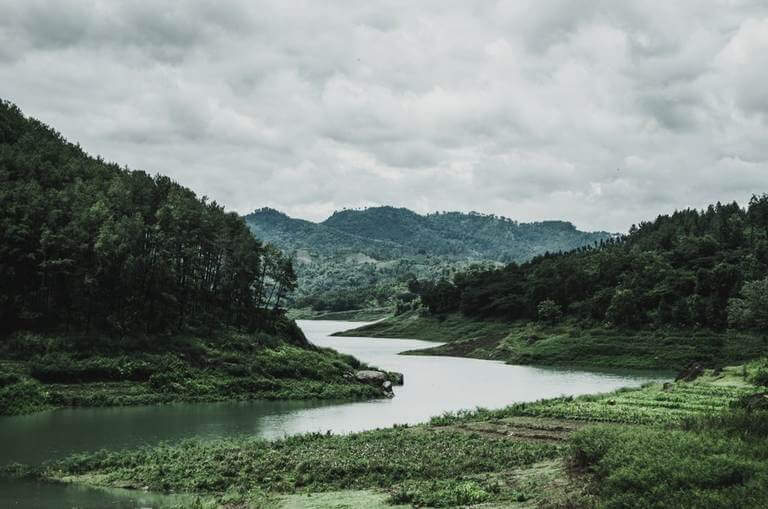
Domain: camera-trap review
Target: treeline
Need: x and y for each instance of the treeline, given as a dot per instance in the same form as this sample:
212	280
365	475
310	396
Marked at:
87	245
691	268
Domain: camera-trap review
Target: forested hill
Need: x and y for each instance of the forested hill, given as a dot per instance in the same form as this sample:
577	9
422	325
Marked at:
703	268
120	288
363	258
86	245
388	232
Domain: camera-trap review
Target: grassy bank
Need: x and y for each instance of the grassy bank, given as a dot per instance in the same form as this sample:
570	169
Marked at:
664	445
38	372
353	315
569	343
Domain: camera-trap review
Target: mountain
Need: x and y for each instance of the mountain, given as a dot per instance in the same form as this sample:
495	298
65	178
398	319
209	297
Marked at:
373	252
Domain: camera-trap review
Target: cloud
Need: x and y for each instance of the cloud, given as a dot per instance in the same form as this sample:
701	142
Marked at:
604	113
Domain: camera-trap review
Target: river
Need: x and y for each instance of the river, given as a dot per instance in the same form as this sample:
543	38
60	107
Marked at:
433	385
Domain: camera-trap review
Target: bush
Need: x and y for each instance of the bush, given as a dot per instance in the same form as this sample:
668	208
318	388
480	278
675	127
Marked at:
549	311
634	467
21	398
450	493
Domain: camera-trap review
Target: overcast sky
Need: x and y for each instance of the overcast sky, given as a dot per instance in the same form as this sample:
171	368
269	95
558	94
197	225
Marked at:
602	113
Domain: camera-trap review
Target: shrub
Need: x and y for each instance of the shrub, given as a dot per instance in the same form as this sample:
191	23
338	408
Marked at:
549	311
450	493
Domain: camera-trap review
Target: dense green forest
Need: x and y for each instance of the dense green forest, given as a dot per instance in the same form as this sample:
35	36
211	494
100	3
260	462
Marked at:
364	258
688	269
85	244
117	287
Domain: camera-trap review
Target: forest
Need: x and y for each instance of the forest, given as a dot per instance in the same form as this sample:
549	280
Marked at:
691	268
121	288
86	245
363	258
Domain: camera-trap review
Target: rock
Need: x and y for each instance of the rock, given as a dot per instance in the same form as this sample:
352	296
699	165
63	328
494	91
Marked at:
395	378
387	386
667	386
370	376
690	372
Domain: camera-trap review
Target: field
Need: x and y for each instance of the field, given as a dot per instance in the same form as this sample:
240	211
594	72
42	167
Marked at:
686	444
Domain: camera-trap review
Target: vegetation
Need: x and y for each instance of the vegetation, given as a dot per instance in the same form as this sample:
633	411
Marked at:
353	315
689	269
119	288
365	258
692	286
86	245
56	371
686	444
569	343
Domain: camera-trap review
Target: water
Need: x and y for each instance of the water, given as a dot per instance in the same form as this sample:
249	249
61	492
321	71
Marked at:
433	385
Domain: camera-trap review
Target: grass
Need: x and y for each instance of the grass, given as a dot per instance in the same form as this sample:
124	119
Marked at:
569	344
651	467
404	461
41	372
352	315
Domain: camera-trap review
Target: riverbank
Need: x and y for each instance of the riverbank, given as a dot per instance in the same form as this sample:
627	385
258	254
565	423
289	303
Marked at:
674	444
568	344
40	372
352	315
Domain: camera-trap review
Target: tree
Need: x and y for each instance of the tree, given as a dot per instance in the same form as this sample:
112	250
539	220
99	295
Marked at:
752	309
549	311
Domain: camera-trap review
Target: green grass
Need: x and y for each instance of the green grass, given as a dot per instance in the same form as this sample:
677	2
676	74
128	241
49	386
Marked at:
405	461
569	344
652	404
650	467
40	372
353	315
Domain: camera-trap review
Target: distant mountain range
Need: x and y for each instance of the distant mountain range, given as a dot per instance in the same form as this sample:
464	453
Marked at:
384	246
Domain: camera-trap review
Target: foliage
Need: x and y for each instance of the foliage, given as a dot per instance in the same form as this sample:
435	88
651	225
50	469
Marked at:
569	343
644	468
87	245
230	365
750	311
364	258
681	270
440	493
404	459
548	311
652	404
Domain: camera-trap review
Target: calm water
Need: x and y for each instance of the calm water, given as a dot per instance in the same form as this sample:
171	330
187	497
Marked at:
433	385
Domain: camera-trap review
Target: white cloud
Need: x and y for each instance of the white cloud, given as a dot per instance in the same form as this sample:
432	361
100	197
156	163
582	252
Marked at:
604	113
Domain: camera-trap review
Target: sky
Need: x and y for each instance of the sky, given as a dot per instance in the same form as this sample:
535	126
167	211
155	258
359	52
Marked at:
603	113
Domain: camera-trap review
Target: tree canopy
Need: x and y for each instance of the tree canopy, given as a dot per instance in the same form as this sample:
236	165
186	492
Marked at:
86	244
690	268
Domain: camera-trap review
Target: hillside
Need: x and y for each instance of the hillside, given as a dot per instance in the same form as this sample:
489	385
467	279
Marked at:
364	258
688	286
117	287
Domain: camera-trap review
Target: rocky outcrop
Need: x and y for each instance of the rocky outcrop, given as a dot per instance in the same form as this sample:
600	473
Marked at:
381	379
